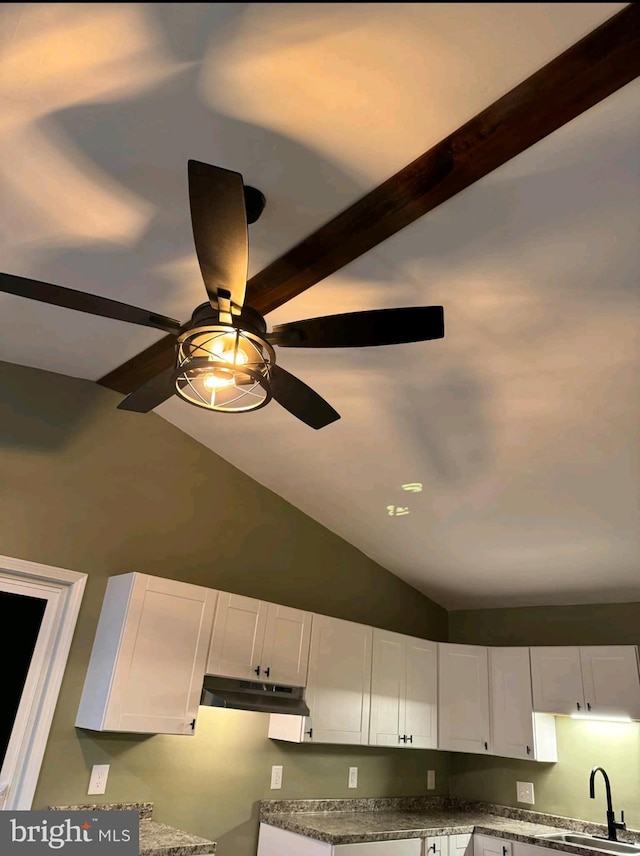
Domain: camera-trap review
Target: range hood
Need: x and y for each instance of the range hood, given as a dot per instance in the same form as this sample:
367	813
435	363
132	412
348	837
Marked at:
250	695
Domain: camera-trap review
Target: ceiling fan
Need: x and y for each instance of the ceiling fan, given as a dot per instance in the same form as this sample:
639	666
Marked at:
224	356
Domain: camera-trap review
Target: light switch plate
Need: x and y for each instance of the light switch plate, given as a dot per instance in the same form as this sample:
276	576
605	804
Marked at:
524	792
276	777
353	777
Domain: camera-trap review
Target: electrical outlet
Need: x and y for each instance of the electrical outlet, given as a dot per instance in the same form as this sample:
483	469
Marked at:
353	777
276	778
98	779
431	779
524	792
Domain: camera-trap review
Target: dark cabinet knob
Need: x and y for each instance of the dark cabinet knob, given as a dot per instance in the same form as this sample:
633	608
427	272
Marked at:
588	706
409	739
257	670
402	737
267	671
432	847
310	733
486	746
505	850
528	750
578	705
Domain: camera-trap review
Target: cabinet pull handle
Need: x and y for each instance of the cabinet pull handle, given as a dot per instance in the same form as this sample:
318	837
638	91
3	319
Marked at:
409	739
432	847
588	706
402	737
257	670
505	850
267	671
578	705
193	724
310	733
528	750
486	745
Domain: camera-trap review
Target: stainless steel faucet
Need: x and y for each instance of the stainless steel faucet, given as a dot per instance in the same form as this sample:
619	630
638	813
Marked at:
612	823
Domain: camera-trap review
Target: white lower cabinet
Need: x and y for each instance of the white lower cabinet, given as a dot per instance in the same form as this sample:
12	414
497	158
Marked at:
338	691
487	845
461	845
148	659
280	842
436	845
521	849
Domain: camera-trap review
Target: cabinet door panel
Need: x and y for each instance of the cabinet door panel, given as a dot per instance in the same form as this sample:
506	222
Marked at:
387	688
611	682
485	845
157	656
285	653
238	637
463	698
421	694
339	683
436	845
557	680
511	703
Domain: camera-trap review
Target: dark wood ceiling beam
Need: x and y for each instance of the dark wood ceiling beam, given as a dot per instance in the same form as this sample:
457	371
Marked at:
595	67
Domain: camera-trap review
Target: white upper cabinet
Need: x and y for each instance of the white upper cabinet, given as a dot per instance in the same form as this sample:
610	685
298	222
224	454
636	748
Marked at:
338	686
600	680
556	677
611	680
511	702
147	665
463	696
403	691
260	641
516	731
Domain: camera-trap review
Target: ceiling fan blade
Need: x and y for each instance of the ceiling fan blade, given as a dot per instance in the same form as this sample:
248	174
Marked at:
80	301
300	400
598	65
362	329
153	393
219	222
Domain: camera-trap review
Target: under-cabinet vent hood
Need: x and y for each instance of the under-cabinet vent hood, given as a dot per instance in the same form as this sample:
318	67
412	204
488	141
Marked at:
250	695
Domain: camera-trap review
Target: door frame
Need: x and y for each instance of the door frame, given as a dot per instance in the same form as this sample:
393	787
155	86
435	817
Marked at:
35	717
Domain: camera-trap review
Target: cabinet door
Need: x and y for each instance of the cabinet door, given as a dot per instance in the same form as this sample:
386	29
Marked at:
511	703
436	845
285	652
610	679
339	681
463	697
421	694
147	665
485	845
461	845
557	680
238	637
387	689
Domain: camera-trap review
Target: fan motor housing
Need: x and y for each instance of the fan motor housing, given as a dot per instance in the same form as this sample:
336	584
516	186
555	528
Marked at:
248	319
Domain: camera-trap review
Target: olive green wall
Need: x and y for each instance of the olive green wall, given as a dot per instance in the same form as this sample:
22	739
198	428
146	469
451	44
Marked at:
561	788
93	489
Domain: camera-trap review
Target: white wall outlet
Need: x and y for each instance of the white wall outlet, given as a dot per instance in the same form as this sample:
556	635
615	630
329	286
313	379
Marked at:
431	779
98	779
353	777
524	792
276	778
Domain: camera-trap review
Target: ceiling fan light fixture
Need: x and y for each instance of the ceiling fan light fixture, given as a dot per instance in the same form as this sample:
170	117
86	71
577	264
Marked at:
223	368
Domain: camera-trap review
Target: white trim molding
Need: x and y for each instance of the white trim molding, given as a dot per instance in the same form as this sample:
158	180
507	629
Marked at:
64	590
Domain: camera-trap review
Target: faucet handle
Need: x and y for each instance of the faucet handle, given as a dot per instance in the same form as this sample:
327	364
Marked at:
620	824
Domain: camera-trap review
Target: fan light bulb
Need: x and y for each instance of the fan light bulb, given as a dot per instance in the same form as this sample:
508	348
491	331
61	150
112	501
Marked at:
218	379
225	350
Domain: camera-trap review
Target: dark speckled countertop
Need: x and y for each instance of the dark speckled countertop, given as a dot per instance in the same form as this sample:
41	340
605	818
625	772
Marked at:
358	821
156	839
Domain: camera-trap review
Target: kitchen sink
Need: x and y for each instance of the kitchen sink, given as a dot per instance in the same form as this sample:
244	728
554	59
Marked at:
602	844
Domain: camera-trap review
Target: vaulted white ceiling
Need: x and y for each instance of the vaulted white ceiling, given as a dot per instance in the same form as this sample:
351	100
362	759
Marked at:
521	426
